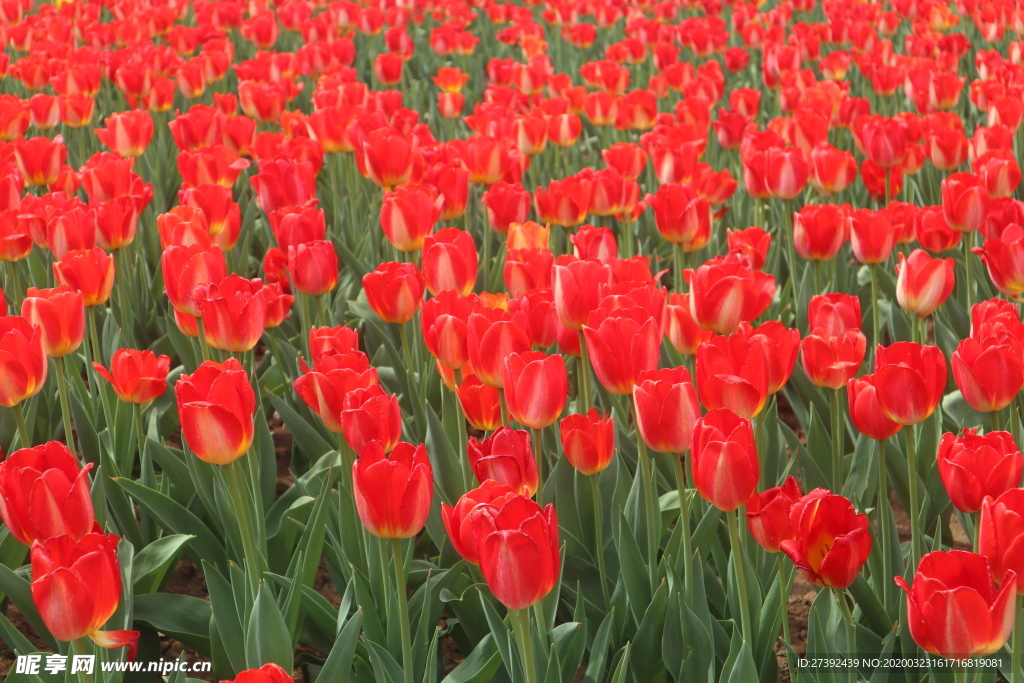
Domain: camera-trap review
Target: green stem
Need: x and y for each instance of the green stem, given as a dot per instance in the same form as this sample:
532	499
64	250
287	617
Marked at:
585	400
62	388
460	418
915	531
97	355
851	632
521	626
203	346
677	254
884	515
784	612
82	648
505	421
595	493
960	675
876	324
26	438
404	338
684	520
650	503
1018	641
741	573
968	259
403	608
837	441
236	489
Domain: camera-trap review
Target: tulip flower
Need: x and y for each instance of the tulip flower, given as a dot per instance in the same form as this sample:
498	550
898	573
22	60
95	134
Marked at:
493	335
923	283
1003	257
137	376
60	315
832	541
999	532
76	586
185	268
233	312
974	466
965	201
910	380
127	133
40	159
989	373
578	288
779	346
507	458
393	490
872	235
621	344
458	520
732	373
371	414
834	313
444	321
216	404
725	463
506	203
388	157
23	363
536	387
787	172
883	139
679	326
408	214
953	608
519	551
449	261
666	409
44	493
865	411
681	216
725	292
753	243
819	231
481	404
394	291
90	271
588	441
313	267
268	673
334	375
768	515
564	202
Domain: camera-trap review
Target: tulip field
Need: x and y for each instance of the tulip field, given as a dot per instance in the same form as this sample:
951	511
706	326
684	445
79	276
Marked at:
525	341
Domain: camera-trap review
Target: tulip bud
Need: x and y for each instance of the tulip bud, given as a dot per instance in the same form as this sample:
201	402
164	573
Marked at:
768	515
725	465
588	441
393	491
505	457
974	466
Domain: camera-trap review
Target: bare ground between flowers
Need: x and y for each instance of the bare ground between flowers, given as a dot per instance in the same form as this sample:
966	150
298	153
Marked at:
188	580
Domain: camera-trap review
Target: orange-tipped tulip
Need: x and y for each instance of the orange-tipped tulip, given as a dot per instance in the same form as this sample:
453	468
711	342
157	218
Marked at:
725	465
215	406
974	466
832	540
137	376
393	490
60	314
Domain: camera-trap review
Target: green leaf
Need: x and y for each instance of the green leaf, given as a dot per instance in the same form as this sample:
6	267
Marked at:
647	662
225	622
153	562
338	666
267	638
182	617
480	666
20	593
176	519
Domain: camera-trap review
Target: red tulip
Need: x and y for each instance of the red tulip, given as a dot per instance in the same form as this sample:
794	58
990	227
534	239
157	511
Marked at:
865	411
681	216
137	376
732	373
23	362
187	267
872	235
1000	171
445	324
1004	259
234	312
506	203
60	314
1000	540
493	335
44	493
387	68
90	271
588	441
526	270
973	467
215	407
458	520
578	288
268	673
326	339
725	464
371	414
753	243
679	326
449	261
520	556
819	231
388	157
832	170
832	541
933	232
725	292
313	267
481	404
507	458
40	159
394	291
910	380
787	172
923	283
884	139
830	361
666	408
965	201
779	346
622	343
564	202
393	491
408	214
127	133
768	515
536	387
326	385
989	372
834	313
953	609
946	147
76	586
